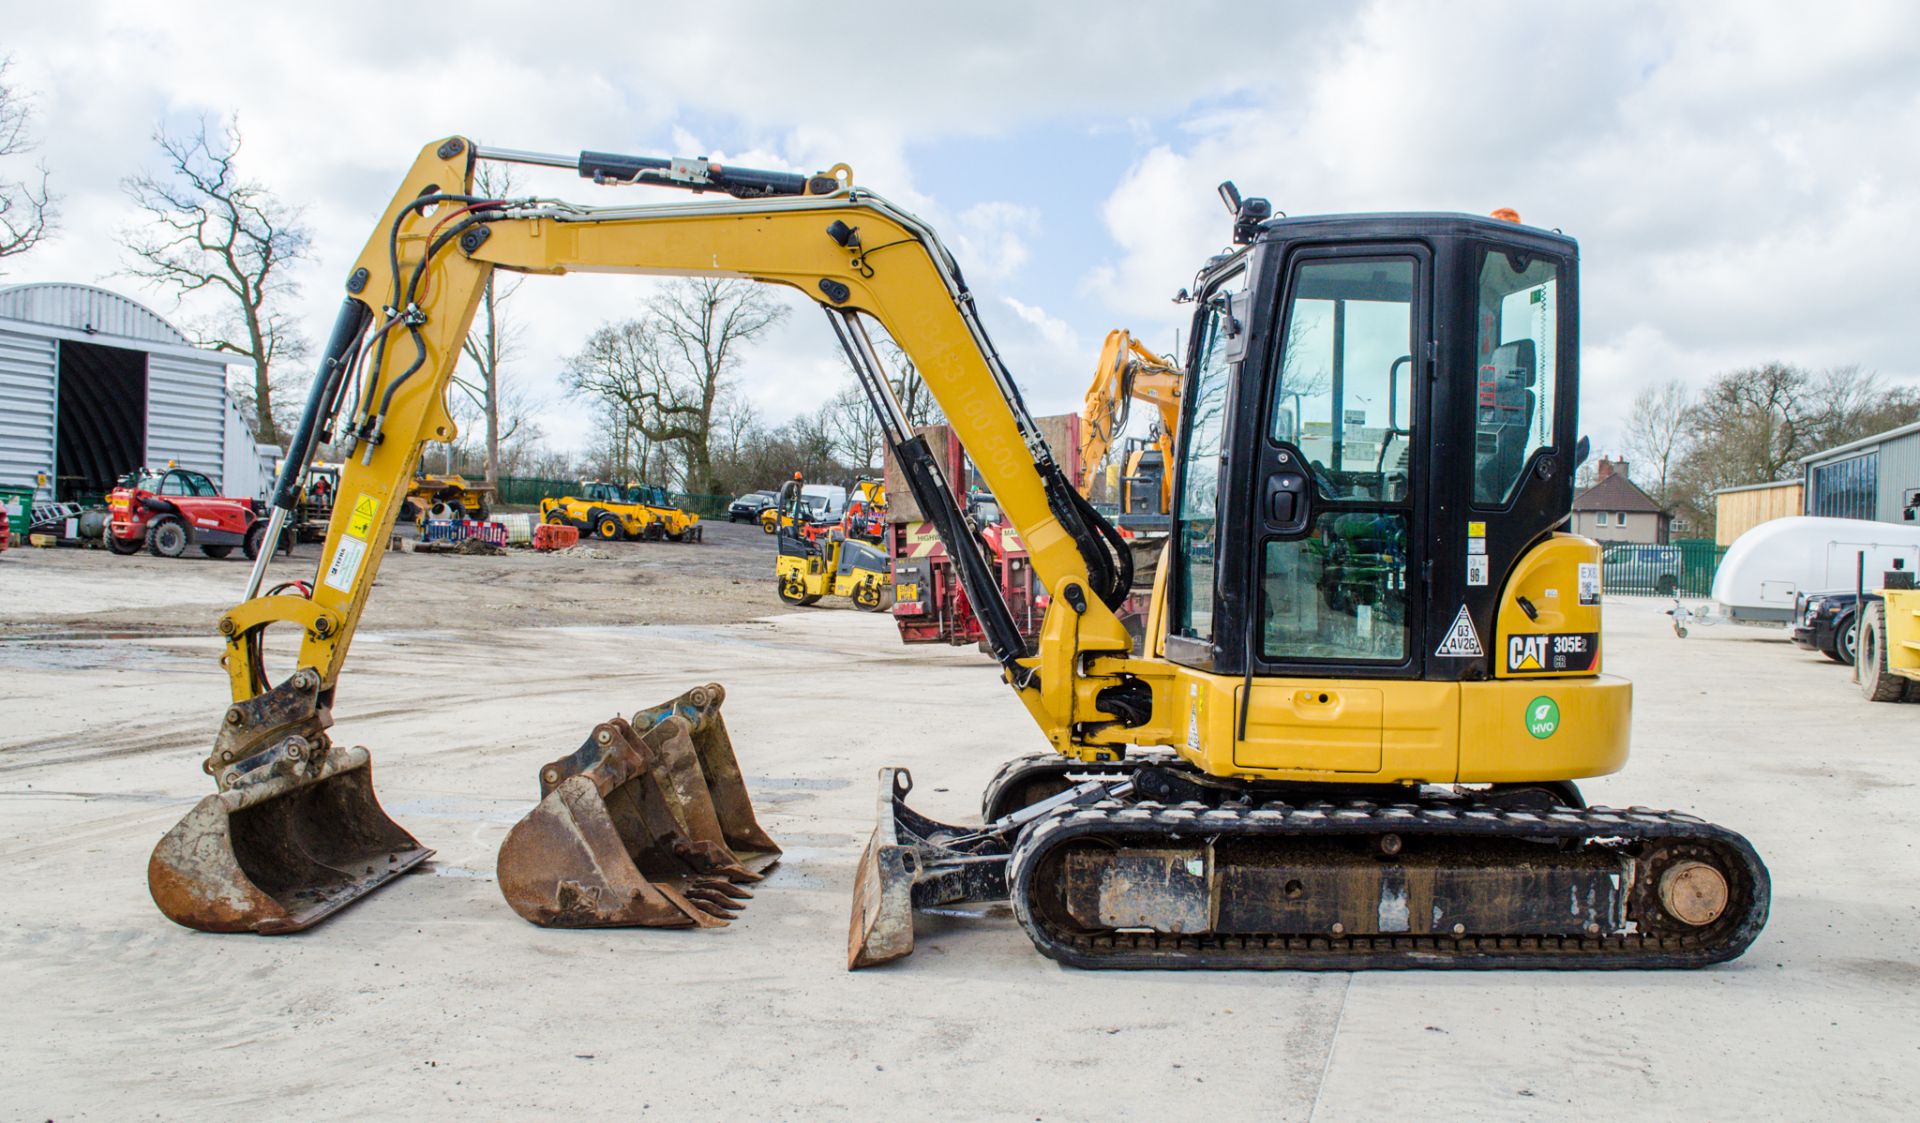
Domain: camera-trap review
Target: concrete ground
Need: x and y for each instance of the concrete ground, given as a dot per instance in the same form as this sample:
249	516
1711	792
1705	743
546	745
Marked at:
432	1000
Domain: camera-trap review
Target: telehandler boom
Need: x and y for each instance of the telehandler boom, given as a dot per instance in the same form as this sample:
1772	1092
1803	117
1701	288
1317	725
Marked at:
1372	666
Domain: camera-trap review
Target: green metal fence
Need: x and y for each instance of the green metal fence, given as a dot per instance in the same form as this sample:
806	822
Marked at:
1684	567
528	491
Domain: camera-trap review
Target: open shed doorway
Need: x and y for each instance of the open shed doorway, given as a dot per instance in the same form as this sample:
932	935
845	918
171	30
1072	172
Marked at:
103	418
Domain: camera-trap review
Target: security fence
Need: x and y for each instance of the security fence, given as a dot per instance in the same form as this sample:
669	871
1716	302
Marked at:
1681	568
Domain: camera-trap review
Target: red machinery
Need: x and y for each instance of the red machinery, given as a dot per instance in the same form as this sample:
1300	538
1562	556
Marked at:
170	510
929	605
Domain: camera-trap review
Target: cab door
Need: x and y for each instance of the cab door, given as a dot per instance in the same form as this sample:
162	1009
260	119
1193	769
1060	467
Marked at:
1339	525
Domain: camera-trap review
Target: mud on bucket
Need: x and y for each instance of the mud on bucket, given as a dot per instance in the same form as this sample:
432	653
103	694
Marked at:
294	837
646	824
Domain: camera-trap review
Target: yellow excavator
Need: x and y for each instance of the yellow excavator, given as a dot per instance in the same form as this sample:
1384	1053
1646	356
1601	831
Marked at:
1128	371
1372	673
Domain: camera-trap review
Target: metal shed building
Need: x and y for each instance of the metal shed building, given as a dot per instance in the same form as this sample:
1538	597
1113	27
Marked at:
93	385
1876	478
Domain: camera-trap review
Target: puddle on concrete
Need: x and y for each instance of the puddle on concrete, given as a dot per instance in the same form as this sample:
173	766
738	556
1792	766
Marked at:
111	651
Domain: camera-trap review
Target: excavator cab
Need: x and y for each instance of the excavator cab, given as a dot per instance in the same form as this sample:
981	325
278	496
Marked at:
1381	424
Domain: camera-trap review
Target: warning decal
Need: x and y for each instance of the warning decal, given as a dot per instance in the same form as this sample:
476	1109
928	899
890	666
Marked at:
1461	642
365	510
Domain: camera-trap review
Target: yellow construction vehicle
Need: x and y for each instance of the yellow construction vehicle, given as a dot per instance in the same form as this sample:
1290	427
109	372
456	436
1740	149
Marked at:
610	513
1889	647
1373	663
832	562
446	497
1126	372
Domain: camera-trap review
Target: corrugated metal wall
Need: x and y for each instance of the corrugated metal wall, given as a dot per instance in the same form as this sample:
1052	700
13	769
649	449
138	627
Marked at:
28	378
186	413
1899	474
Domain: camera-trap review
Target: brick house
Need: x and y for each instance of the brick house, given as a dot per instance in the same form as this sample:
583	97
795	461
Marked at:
1614	509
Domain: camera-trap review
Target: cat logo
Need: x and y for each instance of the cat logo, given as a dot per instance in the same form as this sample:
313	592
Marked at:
1526	653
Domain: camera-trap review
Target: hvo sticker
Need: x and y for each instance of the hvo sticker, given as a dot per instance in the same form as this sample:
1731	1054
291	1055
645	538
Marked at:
1543	717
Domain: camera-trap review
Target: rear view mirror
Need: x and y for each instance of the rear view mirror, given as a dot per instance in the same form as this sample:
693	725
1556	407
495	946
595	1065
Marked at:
1581	451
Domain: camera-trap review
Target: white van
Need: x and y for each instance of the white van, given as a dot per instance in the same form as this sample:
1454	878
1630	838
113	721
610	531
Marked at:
828	501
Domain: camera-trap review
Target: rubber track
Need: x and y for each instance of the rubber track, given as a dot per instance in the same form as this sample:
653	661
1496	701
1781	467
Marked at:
1157	824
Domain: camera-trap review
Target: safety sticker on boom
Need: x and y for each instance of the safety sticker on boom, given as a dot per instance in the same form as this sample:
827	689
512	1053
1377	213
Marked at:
365	510
1461	641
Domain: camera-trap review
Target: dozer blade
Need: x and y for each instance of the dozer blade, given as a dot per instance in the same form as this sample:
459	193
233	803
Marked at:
293	835
647	824
912	862
284	851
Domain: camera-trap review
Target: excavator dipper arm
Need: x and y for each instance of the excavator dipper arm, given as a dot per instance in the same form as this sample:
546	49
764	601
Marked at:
381	391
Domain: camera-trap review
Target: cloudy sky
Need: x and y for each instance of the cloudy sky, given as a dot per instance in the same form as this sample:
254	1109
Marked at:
1740	175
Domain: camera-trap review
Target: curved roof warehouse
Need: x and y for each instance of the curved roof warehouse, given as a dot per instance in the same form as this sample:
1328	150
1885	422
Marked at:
93	385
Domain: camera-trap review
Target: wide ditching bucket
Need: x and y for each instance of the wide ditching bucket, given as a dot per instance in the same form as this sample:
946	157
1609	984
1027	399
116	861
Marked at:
293	835
646	824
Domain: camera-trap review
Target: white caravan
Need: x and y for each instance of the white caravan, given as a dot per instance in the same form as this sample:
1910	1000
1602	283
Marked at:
1769	567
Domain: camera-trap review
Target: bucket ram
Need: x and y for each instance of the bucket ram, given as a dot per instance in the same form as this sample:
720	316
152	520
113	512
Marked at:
646	824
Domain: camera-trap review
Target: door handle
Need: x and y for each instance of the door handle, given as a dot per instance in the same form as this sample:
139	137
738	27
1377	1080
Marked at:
1284	504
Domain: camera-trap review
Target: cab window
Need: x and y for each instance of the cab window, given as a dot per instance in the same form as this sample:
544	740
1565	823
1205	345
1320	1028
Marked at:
1344	392
174	483
1198	501
1517	355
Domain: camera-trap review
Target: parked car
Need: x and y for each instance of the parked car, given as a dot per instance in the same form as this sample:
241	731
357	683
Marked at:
1827	623
1630	568
747	508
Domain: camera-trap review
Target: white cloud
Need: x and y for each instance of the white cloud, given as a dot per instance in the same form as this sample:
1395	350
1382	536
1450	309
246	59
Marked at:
1736	172
989	239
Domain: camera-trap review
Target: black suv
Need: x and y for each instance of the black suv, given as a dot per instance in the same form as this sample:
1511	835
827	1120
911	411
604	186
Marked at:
1825	622
747	508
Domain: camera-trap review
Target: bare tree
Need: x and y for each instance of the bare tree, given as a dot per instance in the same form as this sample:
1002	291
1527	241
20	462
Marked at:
850	423
26	209
668	371
492	339
517	429
909	388
208	229
1657	431
1856	403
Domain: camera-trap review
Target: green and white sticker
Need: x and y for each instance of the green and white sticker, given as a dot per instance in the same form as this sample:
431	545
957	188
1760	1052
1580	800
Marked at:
1543	717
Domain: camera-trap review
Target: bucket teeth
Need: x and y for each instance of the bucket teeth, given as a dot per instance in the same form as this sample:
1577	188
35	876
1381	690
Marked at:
648	823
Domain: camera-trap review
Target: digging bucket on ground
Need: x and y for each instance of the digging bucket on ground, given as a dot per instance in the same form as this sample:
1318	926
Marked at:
646	824
293	835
